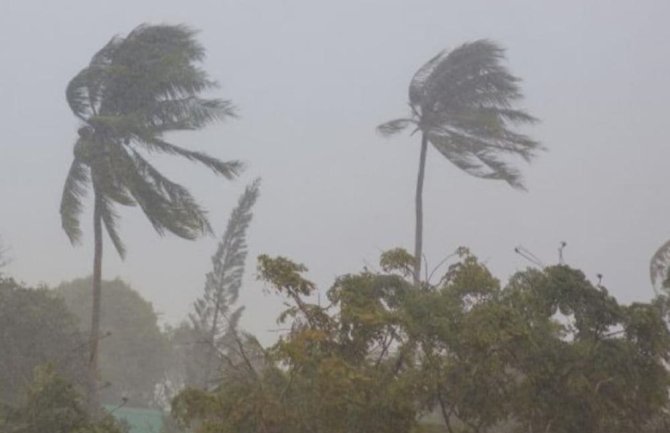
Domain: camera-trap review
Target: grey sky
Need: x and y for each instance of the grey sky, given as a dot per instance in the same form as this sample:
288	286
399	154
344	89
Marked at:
312	79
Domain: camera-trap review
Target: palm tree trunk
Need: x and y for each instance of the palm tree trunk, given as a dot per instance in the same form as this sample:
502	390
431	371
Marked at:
418	234
94	338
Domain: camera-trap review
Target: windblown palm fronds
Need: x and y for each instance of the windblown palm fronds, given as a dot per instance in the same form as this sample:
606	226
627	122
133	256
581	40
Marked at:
462	102
135	90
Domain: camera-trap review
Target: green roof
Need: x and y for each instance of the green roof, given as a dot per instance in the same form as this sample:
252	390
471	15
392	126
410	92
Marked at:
139	420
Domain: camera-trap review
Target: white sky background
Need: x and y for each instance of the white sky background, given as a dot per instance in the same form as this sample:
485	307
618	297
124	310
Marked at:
312	80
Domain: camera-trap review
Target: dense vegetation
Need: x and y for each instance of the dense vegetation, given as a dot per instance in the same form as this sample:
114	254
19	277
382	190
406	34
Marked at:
547	351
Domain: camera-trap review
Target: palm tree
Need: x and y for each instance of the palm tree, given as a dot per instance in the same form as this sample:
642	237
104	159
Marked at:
134	90
462	103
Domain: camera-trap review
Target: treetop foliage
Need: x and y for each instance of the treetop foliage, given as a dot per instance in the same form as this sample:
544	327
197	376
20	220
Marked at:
134	90
135	352
463	101
52	404
547	352
201	345
36	328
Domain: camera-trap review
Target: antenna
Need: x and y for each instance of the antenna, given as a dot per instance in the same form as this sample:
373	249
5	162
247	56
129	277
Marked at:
561	247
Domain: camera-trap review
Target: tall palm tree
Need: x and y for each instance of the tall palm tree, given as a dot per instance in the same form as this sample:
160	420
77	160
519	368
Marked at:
462	103
134	90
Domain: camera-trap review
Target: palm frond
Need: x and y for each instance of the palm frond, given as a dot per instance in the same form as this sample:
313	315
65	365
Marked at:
227	169
164	115
470	76
81	94
155	63
75	189
128	128
418	93
168	205
476	158
478	138
166	39
473	69
85	91
187	113
110	220
659	266
490	121
108	173
394	126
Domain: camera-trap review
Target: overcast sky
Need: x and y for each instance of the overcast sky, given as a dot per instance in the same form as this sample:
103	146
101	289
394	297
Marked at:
312	79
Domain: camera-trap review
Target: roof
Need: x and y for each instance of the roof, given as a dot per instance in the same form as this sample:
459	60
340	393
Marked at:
139	420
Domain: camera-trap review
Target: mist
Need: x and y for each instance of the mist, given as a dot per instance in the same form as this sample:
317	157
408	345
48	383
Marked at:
310	83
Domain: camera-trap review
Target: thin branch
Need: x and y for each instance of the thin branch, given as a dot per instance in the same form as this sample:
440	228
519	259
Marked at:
446	416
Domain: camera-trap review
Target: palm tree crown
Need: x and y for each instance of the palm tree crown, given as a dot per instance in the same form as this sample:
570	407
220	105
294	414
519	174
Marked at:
463	101
134	90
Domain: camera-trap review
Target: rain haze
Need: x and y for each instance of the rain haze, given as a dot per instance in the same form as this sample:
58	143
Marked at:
311	81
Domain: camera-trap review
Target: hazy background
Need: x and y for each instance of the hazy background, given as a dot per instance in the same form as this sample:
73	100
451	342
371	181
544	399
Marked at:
312	79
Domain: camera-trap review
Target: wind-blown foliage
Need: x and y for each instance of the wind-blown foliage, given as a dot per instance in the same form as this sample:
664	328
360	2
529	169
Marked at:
317	377
659	267
215	319
135	90
386	357
462	102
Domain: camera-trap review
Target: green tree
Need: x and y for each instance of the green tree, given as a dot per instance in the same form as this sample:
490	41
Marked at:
136	353
604	370
215	317
322	375
200	346
36	328
51	404
547	353
462	103
134	91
